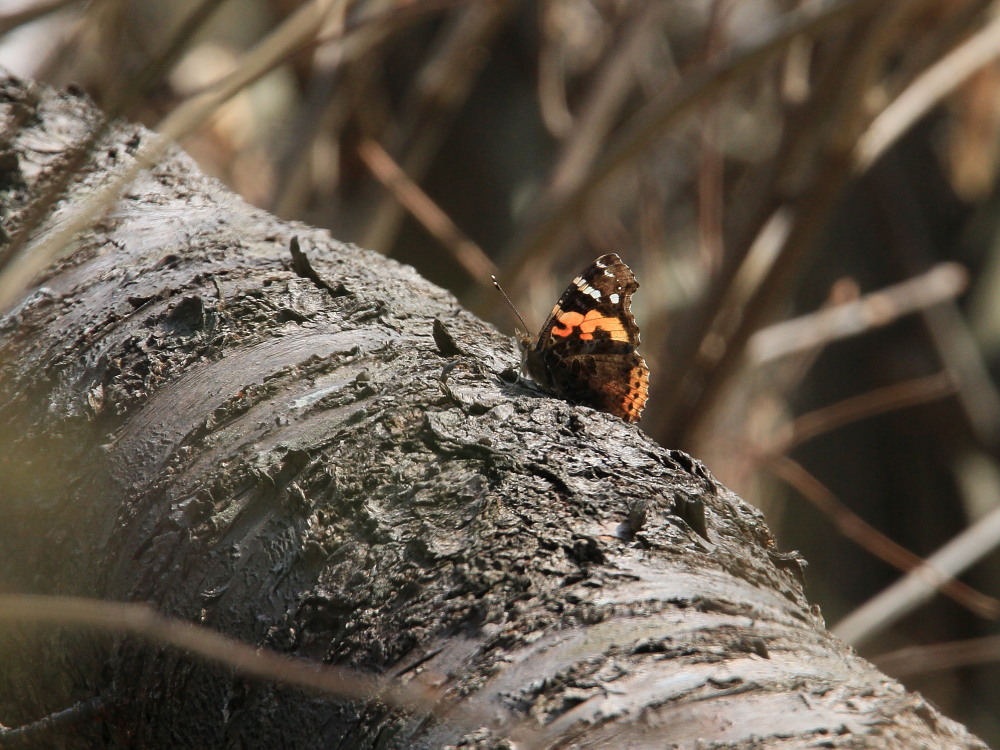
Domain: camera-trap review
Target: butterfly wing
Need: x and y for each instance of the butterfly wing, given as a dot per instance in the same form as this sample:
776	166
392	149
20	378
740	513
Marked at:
586	351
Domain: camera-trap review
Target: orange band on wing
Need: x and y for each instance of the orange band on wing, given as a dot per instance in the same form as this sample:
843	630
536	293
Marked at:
587	324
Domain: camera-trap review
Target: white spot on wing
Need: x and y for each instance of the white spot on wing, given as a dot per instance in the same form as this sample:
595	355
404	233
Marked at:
584	288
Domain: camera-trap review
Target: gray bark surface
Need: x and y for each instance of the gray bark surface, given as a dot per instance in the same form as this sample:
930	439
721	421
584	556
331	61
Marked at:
284	450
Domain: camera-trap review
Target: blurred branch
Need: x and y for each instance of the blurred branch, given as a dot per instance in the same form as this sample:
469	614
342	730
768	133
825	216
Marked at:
396	16
712	165
921	583
910	238
301	28
14	19
614	81
162	62
711	196
937	82
555	215
867	537
323	112
816	171
327	107
144	621
939	656
320	21
463	250
944	281
586	140
314	116
298	29
440	89
77	155
553	106
879	401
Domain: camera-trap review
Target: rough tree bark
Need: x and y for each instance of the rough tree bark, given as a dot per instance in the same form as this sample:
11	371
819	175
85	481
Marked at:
307	461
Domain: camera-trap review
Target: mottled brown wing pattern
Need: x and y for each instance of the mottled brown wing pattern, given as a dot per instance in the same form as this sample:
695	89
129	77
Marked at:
586	351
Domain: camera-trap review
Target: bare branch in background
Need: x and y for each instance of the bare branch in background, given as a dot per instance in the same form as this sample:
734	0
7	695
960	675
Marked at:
937	82
439	91
464	251
867	405
16	18
939	656
550	221
293	34
880	308
921	583
77	156
855	528
827	153
145	622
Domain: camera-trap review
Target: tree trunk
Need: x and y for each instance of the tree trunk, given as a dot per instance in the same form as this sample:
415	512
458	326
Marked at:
332	464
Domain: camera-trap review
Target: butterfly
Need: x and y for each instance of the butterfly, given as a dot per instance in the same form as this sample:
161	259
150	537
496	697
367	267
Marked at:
586	352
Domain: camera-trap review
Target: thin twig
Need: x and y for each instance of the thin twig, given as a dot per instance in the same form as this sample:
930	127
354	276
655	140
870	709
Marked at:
939	656
553	102
296	33
878	544
145	622
322	113
615	80
921	583
465	252
75	157
438	92
297	29
866	405
947	329
659	116
828	156
943	282
14	19
711	167
937	82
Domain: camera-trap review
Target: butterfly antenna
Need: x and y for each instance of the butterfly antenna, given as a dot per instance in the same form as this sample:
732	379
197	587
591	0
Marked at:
500	289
